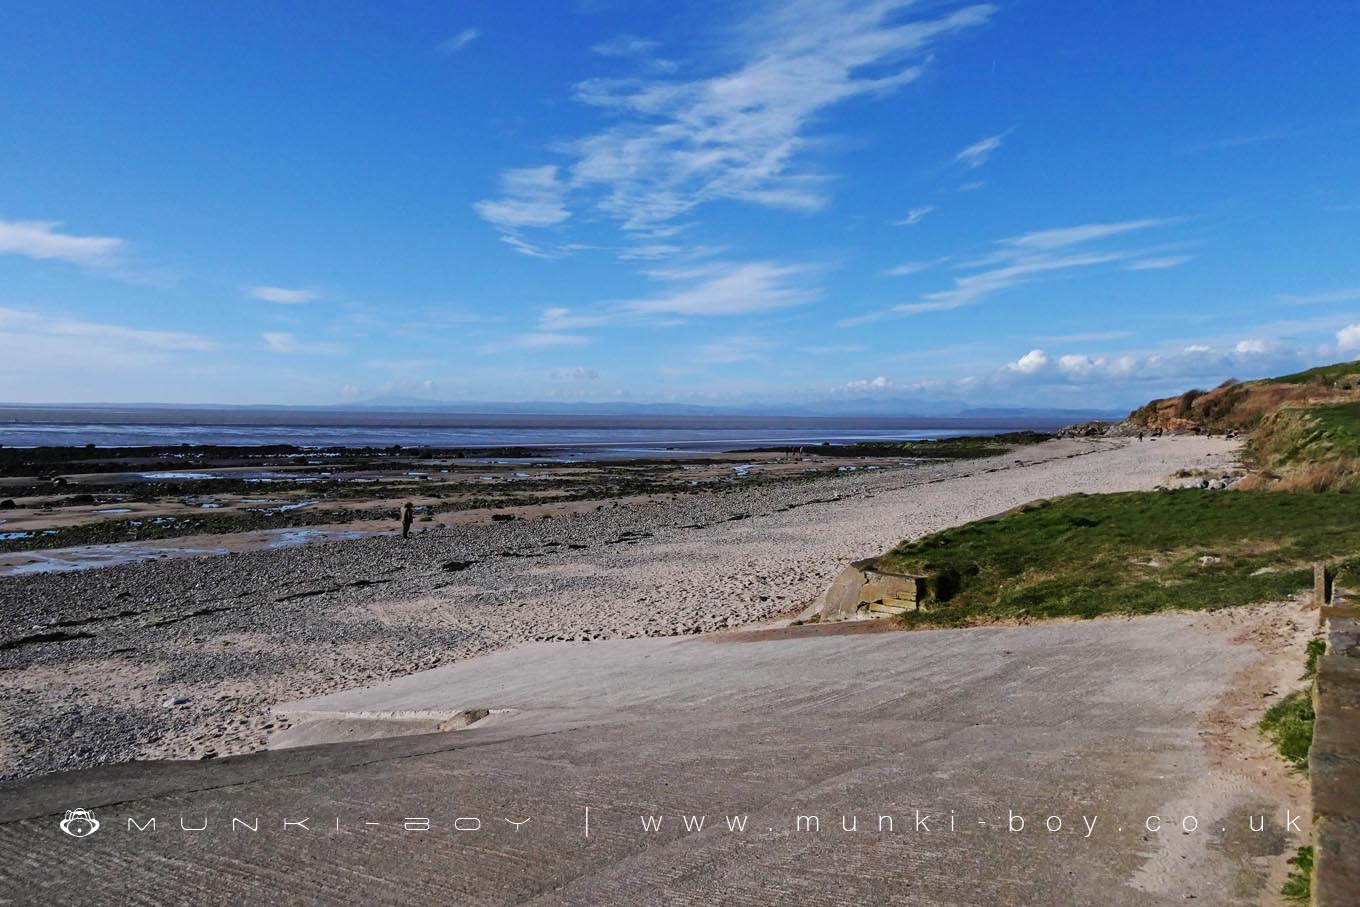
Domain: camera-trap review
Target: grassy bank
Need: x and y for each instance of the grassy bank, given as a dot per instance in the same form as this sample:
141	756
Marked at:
1309	448
1305	427
1131	553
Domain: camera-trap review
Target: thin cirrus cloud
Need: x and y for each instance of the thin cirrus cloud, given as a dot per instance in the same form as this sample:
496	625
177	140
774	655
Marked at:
1019	260
1063	237
530	197
19	323
535	340
730	350
729	289
626	46
458	42
286	343
541	339
908	268
978	153
1351	294
712	290
914	216
42	240
742	134
282	295
1162	263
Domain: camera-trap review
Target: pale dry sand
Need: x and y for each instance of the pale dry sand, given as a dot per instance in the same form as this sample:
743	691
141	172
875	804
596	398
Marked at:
220	639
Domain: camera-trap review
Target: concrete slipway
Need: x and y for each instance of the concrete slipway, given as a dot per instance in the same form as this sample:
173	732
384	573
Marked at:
1100	721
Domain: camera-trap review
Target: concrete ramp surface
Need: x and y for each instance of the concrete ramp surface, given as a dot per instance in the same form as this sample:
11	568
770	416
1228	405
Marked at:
767	767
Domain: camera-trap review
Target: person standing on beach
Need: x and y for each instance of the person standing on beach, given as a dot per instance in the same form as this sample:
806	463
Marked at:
408	513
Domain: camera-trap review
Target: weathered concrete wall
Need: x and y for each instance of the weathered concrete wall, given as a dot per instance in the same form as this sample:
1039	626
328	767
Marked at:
880	592
1334	763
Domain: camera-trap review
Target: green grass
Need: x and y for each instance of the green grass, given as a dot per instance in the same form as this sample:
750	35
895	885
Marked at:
1299	886
1130	553
1316	648
1325	374
1289	723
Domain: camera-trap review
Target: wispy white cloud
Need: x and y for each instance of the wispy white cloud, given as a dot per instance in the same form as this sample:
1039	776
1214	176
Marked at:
561	318
531	197
1162	263
108	362
540	339
17	322
1243	141
536	340
729	289
715	289
1018	260
972	288
911	267
626	46
978	153
42	240
1065	237
736	349
282	295
286	343
649	252
743	134
914	216
1350	294
458	42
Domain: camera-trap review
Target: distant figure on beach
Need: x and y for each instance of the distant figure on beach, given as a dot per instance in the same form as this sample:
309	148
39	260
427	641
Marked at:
1140	436
408	513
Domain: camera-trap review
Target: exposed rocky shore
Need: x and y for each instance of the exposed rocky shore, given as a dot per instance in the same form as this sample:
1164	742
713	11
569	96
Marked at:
182	658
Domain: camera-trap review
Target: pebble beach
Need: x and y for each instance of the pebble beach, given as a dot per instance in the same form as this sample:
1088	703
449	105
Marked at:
183	658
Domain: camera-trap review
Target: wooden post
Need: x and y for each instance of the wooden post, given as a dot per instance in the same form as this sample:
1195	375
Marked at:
1322	585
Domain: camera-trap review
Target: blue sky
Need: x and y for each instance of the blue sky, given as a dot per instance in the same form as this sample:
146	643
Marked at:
1041	203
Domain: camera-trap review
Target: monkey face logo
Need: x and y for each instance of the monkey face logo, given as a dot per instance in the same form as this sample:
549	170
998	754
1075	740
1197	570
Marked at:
79	823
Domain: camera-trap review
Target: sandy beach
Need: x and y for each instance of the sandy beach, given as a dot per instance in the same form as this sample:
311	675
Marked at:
183	658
